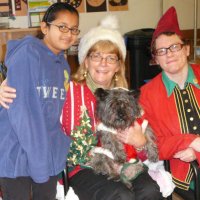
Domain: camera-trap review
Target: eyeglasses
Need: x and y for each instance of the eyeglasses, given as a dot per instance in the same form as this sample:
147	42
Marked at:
65	29
172	48
109	59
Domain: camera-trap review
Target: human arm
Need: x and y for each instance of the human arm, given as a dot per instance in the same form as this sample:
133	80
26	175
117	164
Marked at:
26	114
169	139
161	112
7	94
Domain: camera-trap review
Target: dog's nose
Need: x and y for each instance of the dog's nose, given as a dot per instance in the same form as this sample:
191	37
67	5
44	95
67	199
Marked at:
120	114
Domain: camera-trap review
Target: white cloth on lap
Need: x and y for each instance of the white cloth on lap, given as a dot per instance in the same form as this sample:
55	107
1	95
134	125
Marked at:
161	176
70	194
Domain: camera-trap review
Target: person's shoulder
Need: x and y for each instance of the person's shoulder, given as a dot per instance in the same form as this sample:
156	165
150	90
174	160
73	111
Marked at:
74	86
74	83
28	43
17	49
153	83
33	42
196	68
27	40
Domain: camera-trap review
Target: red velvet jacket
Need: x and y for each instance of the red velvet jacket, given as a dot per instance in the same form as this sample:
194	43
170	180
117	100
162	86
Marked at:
161	112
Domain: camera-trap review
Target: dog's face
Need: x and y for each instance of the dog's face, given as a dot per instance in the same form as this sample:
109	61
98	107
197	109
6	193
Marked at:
117	108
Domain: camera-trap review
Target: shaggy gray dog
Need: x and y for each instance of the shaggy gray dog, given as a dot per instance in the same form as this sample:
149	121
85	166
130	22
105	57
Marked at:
116	110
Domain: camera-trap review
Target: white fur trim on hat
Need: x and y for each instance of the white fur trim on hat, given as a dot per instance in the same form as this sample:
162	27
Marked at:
107	30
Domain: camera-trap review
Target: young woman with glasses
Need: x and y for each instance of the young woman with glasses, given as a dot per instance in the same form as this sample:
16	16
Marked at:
101	55
172	101
33	147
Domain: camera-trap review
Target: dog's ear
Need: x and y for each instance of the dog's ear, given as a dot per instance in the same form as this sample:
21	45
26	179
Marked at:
135	93
100	93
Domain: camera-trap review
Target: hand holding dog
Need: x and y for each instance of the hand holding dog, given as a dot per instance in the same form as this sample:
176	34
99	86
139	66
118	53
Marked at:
133	136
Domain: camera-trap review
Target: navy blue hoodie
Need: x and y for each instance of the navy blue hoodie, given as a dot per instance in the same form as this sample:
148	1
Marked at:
31	139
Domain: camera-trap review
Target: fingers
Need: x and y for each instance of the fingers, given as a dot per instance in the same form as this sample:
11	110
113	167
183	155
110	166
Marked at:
188	158
7	94
178	154
4	88
4	104
4	82
133	136
195	144
7	98
186	155
121	136
136	125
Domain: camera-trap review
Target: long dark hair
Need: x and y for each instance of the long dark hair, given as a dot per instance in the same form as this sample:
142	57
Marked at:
51	13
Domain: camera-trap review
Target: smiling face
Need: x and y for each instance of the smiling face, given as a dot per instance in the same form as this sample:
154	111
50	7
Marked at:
102	72
172	63
54	38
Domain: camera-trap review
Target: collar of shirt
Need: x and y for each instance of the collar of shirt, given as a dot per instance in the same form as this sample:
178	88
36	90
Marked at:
170	85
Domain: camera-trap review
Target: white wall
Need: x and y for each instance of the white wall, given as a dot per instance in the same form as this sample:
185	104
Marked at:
185	11
141	14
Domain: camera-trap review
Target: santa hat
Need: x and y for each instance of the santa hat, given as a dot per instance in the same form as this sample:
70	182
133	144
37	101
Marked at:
107	30
167	23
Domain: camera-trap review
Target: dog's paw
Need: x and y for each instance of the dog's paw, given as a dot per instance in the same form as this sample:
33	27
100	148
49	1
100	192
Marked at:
130	171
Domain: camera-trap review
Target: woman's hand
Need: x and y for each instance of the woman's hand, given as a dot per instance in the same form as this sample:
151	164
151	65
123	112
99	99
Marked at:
133	136
7	94
186	155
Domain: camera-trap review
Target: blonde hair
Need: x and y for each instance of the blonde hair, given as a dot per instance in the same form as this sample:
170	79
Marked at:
104	46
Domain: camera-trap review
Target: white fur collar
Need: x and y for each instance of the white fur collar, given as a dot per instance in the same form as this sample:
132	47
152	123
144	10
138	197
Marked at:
144	125
102	150
116	88
102	127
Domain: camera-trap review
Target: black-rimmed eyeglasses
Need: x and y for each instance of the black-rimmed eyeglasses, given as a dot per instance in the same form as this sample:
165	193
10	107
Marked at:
65	29
172	48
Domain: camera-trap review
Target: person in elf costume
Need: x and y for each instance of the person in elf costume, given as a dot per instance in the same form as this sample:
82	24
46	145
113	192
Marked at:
171	100
101	56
